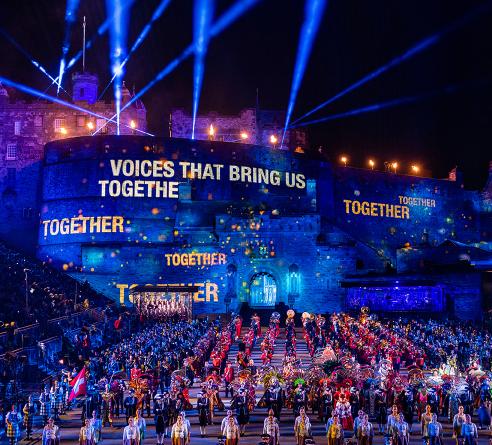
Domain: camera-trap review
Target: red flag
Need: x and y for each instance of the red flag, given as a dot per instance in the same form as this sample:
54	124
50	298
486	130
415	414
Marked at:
79	385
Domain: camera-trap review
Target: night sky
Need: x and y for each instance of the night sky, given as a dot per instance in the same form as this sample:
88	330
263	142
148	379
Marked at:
259	51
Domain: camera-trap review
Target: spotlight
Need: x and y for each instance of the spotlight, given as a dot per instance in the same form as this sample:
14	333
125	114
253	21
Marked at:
415	168
211	132
273	139
416	49
133	124
90	125
244	135
312	18
371	164
394	166
63	130
344	160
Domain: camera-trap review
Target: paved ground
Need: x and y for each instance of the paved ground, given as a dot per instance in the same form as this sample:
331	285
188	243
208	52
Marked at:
70	424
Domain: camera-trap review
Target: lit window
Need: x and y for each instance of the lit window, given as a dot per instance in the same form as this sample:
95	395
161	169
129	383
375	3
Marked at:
80	121
59	124
11	152
17	128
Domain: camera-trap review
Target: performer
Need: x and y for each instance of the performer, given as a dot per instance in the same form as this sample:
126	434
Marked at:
86	435
12	421
274	398
458	421
167	408
270	427
51	433
96	424
302	427
344	412
365	431
424	424
131	434
435	431
228	378
326	404
299	399
403	431
141	424
230	430
202	407
130	405
242	409
45	405
391	436
469	432
29	412
107	406
159	419
238	324
179	432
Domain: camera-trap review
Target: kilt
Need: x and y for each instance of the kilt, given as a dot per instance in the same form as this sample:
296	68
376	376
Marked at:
13	430
45	409
28	419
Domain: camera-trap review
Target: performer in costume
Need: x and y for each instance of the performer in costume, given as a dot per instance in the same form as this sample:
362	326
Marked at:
141	424
130	405
391	435
96	424
270	427
300	398
12	422
179	432
107	406
202	407
230	430
228	378
51	433
159	419
131	434
29	412
302	427
240	402
458	421
425	419
274	398
403	431
469	432
86	434
435	431
365	432
45	405
344	411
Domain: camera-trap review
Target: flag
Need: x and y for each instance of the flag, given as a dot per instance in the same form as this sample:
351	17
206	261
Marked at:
79	385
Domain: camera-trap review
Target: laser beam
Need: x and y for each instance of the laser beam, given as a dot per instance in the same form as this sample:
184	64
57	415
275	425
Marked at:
39	94
203	13
230	16
70	17
421	46
117	42
28	56
313	14
155	16
406	100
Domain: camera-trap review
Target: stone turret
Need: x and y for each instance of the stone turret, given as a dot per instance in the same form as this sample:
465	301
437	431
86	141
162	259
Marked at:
85	87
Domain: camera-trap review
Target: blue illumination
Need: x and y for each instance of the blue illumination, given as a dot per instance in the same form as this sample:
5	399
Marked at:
382	105
70	17
29	56
203	14
155	16
416	49
41	95
227	19
117	43
313	15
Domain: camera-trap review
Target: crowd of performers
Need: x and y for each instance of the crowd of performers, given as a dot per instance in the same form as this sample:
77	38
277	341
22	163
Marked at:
366	377
153	307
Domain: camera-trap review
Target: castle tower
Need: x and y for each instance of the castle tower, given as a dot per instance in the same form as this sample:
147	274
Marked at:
85	87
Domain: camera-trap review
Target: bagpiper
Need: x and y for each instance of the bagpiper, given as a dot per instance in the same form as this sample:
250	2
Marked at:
29	412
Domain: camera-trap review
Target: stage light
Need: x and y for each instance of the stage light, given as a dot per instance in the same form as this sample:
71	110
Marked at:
41	95
211	132
90	125
394	166
63	130
415	168
225	20
344	160
273	139
313	14
244	135
416	49
28	56
371	164
203	13
139	40
133	125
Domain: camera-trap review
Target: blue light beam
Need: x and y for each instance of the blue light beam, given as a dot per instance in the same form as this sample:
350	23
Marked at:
41	95
406	100
117	43
28	56
155	16
414	50
203	14
228	18
70	17
313	14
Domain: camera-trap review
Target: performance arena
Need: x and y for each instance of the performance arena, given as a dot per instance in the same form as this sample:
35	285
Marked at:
250	224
